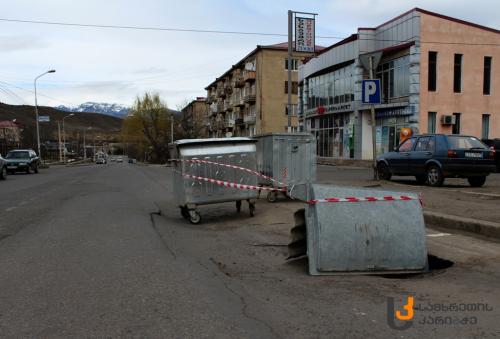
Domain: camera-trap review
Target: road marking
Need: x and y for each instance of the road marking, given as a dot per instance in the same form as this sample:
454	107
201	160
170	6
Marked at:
435	235
486	194
10	209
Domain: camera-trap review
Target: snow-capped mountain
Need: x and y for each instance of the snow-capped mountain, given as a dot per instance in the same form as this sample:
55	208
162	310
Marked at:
115	110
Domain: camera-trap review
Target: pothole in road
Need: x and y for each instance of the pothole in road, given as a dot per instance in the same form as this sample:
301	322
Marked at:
436	264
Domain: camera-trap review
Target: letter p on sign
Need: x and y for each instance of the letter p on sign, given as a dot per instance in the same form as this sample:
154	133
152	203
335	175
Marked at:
371	91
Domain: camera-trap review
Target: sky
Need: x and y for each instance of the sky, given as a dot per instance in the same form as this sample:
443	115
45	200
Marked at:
117	65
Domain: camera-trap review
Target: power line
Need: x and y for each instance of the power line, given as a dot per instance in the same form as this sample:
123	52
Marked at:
191	30
145	28
33	92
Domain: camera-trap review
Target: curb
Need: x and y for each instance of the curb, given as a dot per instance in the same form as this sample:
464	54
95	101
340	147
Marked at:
483	227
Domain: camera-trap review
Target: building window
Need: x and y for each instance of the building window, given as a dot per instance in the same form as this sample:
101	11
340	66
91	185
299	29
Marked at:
456	127
295	64
294	110
432	72
395	78
295	87
487	75
457	73
485	130
431	122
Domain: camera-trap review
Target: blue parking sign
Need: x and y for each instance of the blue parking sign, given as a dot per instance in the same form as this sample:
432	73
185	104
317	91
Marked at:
370	91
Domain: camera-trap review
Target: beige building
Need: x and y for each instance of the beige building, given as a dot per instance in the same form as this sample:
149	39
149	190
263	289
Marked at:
251	97
194	118
437	75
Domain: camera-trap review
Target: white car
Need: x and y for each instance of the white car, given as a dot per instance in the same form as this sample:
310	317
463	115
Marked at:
119	159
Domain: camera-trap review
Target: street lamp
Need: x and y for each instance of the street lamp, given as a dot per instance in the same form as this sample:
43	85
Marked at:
64	136
36	113
84	146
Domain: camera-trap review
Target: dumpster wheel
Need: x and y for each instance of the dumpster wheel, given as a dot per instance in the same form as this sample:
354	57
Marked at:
251	207
185	212
194	217
272	196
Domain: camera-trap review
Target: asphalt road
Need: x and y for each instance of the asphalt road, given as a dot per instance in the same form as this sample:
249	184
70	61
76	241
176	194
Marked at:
101	251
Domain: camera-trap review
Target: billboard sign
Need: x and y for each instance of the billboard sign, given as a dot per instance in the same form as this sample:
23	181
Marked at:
43	118
304	34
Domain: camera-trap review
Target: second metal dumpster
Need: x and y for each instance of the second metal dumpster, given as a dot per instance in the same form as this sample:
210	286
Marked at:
289	158
197	160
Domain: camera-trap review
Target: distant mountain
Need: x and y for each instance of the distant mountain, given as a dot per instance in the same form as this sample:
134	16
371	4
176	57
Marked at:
114	110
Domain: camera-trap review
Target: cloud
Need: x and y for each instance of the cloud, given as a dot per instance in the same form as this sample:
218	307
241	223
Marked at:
11	43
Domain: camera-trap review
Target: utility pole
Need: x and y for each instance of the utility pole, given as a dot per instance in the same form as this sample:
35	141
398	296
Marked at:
172	128
374	128
289	70
59	137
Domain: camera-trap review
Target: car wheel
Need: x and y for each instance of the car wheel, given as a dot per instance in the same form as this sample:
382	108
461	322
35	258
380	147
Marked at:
421	179
3	173
477	181
383	171
434	176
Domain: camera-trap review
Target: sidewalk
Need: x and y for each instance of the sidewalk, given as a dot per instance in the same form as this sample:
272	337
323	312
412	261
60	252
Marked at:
456	205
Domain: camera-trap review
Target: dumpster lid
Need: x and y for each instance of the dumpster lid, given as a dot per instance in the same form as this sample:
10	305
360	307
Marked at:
213	140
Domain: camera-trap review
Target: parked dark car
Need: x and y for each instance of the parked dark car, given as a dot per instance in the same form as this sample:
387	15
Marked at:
3	168
22	160
432	158
495	144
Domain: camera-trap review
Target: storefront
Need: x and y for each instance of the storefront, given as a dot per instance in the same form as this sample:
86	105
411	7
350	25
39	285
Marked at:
390	121
334	135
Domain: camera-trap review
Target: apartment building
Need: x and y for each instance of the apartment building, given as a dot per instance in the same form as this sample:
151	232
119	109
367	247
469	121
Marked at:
251	97
10	136
194	118
437	74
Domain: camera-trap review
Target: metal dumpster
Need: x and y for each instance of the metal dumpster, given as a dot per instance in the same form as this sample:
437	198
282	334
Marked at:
289	158
198	161
351	230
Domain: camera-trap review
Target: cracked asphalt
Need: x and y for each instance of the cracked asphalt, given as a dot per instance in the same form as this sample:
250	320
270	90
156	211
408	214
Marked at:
101	251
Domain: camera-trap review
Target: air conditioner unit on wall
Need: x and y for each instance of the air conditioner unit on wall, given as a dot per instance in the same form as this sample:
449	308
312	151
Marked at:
448	120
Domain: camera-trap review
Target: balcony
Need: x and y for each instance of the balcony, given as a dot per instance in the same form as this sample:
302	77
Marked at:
228	105
250	98
239	102
238	121
220	92
231	122
249	76
213	109
250	119
220	107
239	82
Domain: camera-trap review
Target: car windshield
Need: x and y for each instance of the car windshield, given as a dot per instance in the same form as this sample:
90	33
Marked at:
17	155
463	142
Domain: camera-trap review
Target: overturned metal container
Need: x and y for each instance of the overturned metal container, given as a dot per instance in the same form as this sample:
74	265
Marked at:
383	232
289	158
191	191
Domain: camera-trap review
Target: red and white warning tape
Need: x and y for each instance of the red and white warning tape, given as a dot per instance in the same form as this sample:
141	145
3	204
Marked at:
362	199
232	184
198	161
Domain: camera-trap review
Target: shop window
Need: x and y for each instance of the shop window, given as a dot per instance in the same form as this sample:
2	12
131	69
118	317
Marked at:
485	129
431	122
456	127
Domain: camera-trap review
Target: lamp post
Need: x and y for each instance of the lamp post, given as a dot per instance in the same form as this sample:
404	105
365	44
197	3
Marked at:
36	114
84	146
64	136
